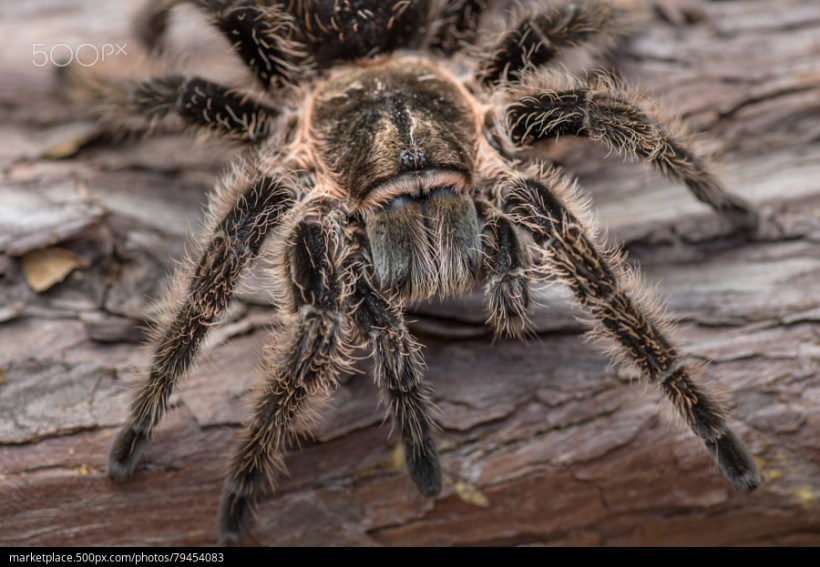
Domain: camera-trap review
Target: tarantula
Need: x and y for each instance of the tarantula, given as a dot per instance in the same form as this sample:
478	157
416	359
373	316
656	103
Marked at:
391	161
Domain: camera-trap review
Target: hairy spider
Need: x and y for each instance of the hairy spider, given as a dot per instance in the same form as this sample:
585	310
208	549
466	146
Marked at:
391	161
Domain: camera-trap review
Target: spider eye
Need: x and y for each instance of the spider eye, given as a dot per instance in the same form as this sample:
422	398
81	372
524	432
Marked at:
413	160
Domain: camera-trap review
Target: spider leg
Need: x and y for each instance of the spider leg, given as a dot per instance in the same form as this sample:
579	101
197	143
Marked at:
262	34
506	272
257	205
539	38
605	291
399	367
612	119
456	24
302	364
152	22
129	106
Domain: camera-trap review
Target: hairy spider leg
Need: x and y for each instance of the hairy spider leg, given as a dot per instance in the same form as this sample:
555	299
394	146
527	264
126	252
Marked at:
399	373
258	205
151	22
262	34
506	272
302	363
539	38
602	289
456	25
612	119
128	106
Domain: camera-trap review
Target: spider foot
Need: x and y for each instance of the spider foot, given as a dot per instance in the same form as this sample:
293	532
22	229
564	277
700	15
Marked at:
233	518
735	461
509	297
125	453
735	209
741	214
424	468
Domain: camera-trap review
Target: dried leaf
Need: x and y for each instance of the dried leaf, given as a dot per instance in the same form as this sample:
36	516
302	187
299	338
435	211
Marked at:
470	494
805	496
47	267
393	463
73	142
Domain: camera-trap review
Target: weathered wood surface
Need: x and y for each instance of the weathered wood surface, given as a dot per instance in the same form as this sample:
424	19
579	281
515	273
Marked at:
543	443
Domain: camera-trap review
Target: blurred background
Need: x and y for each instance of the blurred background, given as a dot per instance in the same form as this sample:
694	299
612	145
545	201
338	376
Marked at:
543	442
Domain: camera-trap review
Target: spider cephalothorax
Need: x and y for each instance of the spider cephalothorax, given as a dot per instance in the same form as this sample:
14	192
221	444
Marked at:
399	139
384	174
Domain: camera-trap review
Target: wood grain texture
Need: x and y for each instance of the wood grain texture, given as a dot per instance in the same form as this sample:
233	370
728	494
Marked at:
543	443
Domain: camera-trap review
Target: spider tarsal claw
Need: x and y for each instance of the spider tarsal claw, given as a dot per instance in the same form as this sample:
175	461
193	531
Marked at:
424	469
125	453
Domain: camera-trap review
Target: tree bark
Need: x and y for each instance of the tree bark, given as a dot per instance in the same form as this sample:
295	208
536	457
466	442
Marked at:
542	443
